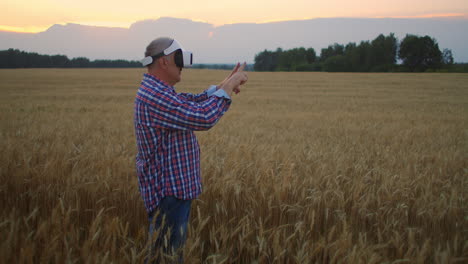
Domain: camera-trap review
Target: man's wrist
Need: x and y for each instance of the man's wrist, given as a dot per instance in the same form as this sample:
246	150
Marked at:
211	90
221	93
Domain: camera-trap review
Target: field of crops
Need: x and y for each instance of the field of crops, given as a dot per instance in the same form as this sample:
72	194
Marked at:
304	168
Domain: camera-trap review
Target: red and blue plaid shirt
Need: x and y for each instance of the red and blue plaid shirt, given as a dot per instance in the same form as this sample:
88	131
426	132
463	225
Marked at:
168	158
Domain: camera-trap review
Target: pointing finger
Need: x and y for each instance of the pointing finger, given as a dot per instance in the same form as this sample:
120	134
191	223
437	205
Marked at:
236	68
242	67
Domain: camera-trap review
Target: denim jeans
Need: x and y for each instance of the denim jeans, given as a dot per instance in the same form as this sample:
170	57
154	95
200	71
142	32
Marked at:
168	229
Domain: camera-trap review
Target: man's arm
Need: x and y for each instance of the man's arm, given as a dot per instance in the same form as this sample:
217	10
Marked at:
201	96
213	89
168	110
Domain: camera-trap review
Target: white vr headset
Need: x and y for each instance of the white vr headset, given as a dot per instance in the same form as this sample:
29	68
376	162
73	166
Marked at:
182	57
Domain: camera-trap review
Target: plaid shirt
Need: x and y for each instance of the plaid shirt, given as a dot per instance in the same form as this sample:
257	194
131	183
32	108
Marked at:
168	158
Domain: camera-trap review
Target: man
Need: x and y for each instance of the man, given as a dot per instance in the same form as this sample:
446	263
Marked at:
168	158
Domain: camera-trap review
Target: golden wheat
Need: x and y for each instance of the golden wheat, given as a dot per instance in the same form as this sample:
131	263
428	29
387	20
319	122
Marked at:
304	168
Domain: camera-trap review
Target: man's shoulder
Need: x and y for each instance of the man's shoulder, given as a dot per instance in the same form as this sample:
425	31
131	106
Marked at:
153	86
149	82
156	82
153	92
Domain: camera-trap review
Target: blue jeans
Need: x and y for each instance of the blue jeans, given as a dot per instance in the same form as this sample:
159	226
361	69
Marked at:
169	222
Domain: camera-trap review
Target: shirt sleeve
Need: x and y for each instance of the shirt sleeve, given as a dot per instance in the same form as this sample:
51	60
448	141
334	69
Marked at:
169	110
201	96
222	94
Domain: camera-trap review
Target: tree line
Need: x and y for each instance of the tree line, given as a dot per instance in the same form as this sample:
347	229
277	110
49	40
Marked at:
416	54
13	58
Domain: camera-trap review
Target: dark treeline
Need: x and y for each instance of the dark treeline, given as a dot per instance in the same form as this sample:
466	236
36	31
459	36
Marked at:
416	54
13	58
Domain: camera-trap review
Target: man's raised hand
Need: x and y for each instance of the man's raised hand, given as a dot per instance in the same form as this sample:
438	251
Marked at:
237	78
229	76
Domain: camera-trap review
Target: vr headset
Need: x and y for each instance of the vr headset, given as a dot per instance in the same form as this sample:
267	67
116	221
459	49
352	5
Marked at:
182	57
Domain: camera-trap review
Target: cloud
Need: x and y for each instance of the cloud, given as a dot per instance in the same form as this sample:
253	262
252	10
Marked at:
234	42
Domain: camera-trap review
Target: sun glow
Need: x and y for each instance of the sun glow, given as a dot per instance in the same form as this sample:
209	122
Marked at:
105	24
23	29
30	16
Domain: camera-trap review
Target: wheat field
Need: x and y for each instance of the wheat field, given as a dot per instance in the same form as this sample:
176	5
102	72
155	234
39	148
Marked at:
303	168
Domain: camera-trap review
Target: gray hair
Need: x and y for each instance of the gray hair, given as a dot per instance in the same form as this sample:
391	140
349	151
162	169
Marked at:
158	45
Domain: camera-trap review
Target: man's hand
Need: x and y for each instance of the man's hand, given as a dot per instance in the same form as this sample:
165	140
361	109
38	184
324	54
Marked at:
237	78
233	71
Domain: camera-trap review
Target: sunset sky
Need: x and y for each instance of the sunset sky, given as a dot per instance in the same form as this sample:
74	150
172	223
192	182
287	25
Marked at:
38	15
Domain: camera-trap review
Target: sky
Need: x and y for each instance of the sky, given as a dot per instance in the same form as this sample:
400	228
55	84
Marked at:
38	15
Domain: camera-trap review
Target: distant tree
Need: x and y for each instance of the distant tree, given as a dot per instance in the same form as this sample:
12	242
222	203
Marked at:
297	59
351	54
59	61
79	62
358	57
447	57
114	64
310	63
337	63
378	55
332	50
311	56
285	61
383	52
420	53
266	60
7	58
289	60
13	58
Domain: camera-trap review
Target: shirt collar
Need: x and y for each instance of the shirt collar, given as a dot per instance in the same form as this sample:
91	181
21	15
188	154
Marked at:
158	81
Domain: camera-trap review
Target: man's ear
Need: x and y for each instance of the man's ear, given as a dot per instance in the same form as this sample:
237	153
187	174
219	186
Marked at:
162	62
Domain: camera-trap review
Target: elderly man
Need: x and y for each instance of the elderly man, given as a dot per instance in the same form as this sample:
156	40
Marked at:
168	158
